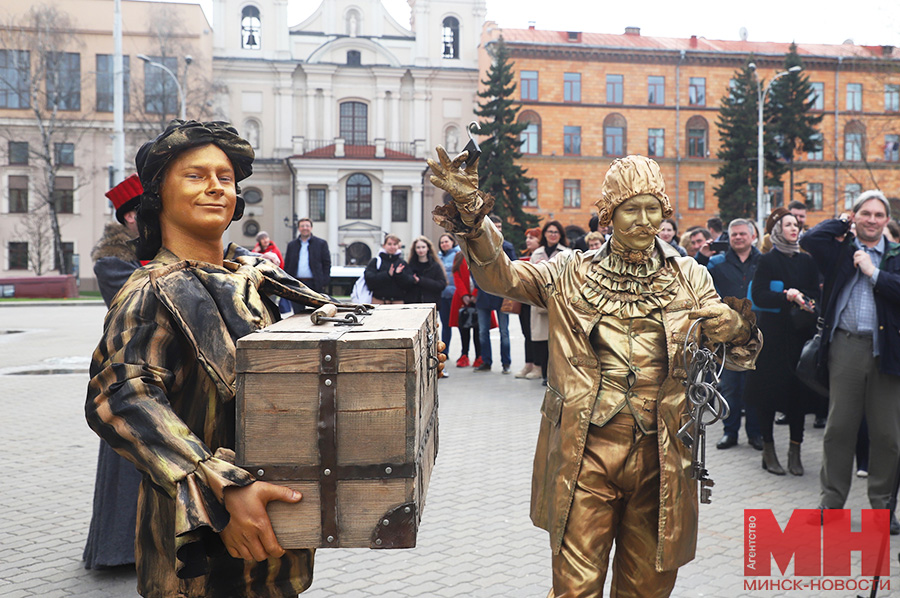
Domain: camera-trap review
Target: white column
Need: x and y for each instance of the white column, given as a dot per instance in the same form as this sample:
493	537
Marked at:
310	114
386	208
301	207
284	116
328	129
416	215
379	115
395	117
332	217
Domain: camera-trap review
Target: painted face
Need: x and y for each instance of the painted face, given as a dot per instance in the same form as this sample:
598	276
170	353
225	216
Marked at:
446	243
666	232
421	249
636	221
305	229
198	195
870	220
532	242
790	229
391	246
740	238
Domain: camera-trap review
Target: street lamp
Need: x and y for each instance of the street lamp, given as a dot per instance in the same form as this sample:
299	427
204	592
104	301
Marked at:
760	101
147	59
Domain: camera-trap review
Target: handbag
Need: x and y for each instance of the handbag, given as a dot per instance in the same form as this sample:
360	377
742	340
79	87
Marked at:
511	306
807	366
468	317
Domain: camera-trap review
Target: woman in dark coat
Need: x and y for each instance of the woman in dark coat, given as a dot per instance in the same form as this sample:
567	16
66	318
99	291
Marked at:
386	275
787	281
427	279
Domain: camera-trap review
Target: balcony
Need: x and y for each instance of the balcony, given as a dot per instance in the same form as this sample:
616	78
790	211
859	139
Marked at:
339	148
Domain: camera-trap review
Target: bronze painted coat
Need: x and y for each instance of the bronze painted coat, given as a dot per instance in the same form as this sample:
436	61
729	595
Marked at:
574	380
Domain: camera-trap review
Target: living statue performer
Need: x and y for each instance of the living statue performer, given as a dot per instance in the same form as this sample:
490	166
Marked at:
608	465
163	382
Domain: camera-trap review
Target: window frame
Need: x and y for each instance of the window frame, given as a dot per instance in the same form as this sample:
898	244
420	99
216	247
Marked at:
572	87
850	195
854	97
10	254
892	153
104	85
15	69
251	24
615	89
693	188
571	140
60	66
697	91
64	197
660	89
818	89
891	97
318	195
361	204
572	193
11	152
529	86
64	153
18	196
450	38
399	199
353	120
652	150
160	93
815	196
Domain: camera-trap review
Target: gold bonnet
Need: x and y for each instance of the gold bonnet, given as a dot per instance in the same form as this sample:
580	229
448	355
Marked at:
626	178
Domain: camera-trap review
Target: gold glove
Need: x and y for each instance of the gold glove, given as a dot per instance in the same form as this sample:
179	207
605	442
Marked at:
469	204
723	324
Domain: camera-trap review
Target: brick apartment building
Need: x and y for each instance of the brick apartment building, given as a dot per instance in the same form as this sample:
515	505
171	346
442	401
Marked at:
590	97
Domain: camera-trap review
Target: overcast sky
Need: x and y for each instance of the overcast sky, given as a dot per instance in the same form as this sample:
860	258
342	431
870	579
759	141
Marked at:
868	22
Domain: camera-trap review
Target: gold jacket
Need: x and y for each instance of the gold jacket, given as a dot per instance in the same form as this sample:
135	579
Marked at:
574	380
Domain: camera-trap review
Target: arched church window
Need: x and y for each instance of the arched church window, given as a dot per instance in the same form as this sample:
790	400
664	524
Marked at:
250	25
450	38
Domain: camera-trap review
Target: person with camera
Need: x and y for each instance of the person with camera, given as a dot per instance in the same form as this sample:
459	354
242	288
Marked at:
786	280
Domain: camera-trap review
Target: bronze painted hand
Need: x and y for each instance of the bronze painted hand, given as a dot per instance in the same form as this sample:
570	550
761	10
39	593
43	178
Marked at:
469	205
722	324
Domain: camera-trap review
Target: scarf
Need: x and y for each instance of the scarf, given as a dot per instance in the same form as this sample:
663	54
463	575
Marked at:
782	244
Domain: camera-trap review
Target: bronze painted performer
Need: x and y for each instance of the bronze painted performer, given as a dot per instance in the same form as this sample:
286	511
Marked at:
608	466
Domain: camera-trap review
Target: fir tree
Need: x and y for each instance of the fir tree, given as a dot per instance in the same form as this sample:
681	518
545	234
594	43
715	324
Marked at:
499	174
737	124
793	126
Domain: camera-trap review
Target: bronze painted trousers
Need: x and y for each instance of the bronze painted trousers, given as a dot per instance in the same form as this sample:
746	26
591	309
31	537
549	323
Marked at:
616	500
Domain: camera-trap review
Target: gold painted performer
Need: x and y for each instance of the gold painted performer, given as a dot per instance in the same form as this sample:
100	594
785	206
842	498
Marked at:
608	465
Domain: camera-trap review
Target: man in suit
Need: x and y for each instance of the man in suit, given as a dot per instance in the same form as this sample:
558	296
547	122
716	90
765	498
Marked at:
308	259
860	347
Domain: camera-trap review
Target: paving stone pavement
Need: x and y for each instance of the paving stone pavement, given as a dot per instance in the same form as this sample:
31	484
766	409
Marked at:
476	539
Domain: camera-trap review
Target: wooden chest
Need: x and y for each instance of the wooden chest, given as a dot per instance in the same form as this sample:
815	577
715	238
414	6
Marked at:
348	416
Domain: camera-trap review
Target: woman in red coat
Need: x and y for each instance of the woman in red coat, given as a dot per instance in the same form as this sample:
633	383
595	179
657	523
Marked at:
464	297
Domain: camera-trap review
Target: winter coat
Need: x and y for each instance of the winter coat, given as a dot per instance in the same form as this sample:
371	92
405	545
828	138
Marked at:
464	286
574	381
732	276
114	260
319	261
540	325
431	282
835	260
386	286
273	249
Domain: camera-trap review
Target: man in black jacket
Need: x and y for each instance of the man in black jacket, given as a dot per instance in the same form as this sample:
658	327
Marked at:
308	259
860	346
732	272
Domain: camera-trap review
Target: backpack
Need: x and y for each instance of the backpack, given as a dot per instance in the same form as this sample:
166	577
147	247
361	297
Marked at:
361	292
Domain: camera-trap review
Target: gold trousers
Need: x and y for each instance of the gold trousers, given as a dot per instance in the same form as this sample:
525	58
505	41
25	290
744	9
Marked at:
616	500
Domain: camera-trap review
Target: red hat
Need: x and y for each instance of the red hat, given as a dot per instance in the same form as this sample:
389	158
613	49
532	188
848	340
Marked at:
126	196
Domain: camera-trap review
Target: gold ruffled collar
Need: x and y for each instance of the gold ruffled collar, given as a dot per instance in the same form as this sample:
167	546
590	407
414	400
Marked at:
629	290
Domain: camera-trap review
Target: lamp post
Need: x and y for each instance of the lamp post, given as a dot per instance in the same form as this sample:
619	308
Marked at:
760	171
145	58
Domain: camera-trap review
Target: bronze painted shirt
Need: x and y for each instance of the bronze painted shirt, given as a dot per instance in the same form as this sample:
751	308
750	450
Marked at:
162	395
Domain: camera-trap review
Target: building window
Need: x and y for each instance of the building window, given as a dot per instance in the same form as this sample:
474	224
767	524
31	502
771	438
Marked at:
399	205
571	193
854	97
15	73
65	154
252	196
656	90
656	143
106	83
531	135
851	192
64	80
530	200
696	195
160	93
614	135
572	141
615	92
359	197
697	91
813	196
529	83
817	96
450	38
891	97
18	255
820	143
18	153
892	148
697	129
317	204
854	141
354	123
250	26
572	87
64	195
18	194
354	58
68	250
